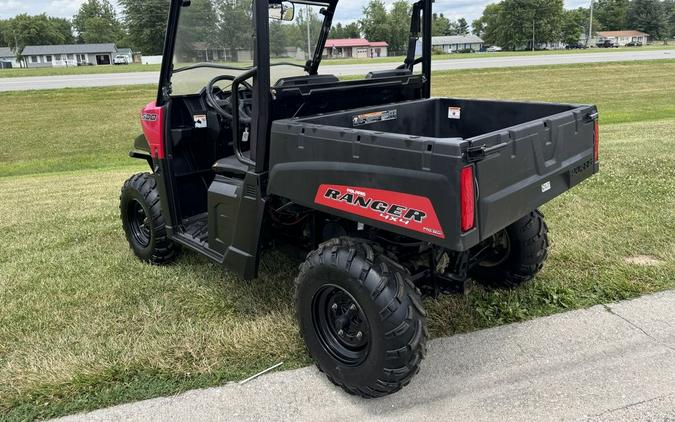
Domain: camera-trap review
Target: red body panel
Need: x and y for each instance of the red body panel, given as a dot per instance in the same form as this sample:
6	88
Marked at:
411	212
152	120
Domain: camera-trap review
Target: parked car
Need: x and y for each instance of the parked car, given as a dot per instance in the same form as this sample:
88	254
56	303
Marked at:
634	44
493	49
119	59
607	44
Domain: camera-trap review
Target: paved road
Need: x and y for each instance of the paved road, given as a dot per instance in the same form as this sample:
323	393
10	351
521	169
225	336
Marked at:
112	79
605	363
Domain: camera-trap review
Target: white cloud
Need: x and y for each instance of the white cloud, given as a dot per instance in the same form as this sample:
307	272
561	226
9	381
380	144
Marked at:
63	8
12	7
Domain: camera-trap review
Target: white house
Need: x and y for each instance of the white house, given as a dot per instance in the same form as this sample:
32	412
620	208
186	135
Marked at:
68	55
7	58
621	38
452	43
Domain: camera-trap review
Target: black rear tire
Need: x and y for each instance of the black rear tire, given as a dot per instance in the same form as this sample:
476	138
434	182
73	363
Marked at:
142	219
524	248
361	317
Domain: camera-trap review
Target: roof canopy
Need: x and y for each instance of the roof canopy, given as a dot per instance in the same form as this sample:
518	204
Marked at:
456	39
353	42
630	33
37	50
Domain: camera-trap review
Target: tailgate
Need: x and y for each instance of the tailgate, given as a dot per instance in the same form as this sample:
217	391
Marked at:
522	167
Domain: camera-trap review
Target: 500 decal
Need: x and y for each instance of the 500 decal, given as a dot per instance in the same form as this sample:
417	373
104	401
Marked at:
401	209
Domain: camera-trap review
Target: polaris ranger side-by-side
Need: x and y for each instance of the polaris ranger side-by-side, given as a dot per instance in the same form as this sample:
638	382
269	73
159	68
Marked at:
394	194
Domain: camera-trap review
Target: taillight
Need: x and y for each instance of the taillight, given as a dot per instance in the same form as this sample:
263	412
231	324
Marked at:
467	198
596	142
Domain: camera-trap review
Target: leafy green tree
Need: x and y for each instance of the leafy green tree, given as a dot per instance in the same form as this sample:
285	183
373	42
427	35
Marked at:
462	26
146	24
4	33
23	30
516	24
487	26
198	30
669	6
235	26
63	27
440	25
350	30
573	25
612	14
399	25
375	25
96	22
297	31
649	16
278	38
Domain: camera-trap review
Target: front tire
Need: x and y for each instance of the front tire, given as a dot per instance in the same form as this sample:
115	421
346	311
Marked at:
142	219
361	317
518	255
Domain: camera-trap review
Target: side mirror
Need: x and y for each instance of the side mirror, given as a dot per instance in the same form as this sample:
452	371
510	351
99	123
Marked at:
284	11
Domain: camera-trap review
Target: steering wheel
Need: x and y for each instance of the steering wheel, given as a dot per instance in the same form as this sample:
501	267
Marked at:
222	104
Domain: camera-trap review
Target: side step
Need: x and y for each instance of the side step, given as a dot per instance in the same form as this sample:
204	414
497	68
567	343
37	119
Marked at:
190	242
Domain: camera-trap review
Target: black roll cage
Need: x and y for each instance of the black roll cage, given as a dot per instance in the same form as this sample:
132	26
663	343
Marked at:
260	71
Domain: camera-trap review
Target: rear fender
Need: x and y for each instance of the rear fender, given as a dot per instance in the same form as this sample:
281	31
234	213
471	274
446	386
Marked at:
142	150
417	204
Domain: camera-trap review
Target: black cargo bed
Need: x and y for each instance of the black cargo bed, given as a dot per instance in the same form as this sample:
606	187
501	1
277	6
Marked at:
524	154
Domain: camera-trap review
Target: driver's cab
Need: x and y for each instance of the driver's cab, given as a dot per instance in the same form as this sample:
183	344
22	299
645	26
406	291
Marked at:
230	68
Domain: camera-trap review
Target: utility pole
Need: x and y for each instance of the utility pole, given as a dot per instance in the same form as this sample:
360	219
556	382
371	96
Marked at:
309	50
590	26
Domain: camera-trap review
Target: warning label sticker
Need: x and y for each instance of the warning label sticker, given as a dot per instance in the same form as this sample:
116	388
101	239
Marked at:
454	112
374	117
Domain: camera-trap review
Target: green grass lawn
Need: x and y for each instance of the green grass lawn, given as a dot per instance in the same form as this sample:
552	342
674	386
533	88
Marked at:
9	73
84	325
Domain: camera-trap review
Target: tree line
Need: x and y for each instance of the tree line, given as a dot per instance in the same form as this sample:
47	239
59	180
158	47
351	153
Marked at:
393	24
518	24
142	26
511	24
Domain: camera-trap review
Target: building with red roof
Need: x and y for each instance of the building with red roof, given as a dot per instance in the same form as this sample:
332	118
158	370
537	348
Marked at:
354	47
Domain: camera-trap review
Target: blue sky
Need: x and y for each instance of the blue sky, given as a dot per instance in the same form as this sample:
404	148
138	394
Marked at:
348	10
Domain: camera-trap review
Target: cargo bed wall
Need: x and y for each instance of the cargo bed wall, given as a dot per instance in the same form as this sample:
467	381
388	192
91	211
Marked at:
440	117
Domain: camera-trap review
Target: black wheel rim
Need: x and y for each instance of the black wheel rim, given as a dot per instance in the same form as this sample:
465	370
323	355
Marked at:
500	251
139	226
341	325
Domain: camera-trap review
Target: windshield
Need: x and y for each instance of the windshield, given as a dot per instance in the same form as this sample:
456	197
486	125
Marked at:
221	32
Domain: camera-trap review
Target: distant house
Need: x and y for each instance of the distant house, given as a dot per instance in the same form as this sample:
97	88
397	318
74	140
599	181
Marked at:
7	58
354	47
621	38
69	55
452	43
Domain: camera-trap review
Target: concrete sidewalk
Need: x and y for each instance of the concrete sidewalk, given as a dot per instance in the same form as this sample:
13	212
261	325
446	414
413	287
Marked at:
614	362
